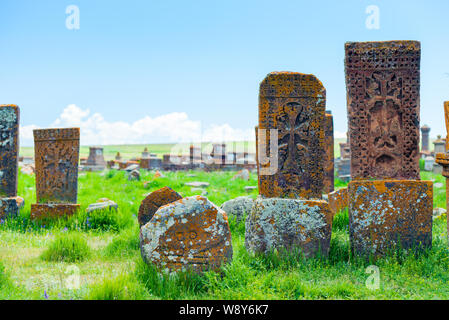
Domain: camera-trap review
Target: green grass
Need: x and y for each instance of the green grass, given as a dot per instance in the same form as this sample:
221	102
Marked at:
114	269
70	247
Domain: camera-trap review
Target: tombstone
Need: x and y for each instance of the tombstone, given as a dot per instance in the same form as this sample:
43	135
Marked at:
345	149
425	141
154	201
388	204
290	148
219	153
329	161
9	151
56	153
428	163
442	159
439	145
95	161
188	234
294	105
144	163
145	153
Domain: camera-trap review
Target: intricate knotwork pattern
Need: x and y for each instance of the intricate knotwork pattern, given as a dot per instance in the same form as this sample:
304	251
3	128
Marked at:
382	81
9	149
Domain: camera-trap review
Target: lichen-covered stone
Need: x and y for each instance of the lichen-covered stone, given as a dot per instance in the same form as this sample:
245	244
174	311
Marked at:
238	207
191	233
9	149
387	213
329	157
293	104
154	201
10	207
287	223
338	200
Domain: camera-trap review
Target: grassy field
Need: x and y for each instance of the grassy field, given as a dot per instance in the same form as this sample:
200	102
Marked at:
97	256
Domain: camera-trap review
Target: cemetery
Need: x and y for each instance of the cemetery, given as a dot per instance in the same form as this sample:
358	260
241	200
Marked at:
293	220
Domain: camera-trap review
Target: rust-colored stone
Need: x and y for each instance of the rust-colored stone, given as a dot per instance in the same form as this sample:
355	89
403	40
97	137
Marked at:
9	149
338	200
385	213
294	105
446	117
382	84
56	153
144	163
42	211
191	233
154	201
329	161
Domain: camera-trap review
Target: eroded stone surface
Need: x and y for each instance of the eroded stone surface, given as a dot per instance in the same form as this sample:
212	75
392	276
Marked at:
387	213
45	211
56	161
382	84
329	160
9	149
191	233
294	104
154	201
287	223
338	200
10	207
238	207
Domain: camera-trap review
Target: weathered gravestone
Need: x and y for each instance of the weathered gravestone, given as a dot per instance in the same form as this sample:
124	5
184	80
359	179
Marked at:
9	149
56	153
290	155
442	158
425	130
191	233
95	161
329	161
154	201
382	83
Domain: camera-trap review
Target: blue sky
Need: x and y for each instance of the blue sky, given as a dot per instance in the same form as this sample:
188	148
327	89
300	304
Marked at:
173	67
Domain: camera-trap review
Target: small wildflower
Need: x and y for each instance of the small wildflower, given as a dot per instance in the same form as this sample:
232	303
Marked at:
45	294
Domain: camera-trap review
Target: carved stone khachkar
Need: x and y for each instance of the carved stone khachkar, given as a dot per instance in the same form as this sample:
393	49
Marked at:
56	153
9	149
95	161
442	158
382	82
294	105
290	149
329	161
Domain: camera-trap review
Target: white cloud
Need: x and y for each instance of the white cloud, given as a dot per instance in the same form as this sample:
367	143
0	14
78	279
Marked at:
175	127
339	134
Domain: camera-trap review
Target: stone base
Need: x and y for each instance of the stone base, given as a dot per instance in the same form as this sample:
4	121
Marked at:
386	213
276	223
42	211
9	207
338	200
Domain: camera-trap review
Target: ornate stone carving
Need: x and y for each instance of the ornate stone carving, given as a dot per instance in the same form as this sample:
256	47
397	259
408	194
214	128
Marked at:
294	105
382	82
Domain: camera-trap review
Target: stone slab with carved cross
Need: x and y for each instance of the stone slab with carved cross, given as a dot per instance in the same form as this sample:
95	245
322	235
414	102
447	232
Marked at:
388	204
293	105
56	160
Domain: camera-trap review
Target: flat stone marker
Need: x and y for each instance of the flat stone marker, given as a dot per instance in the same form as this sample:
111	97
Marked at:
293	104
56	153
388	205
154	201
9	152
191	233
